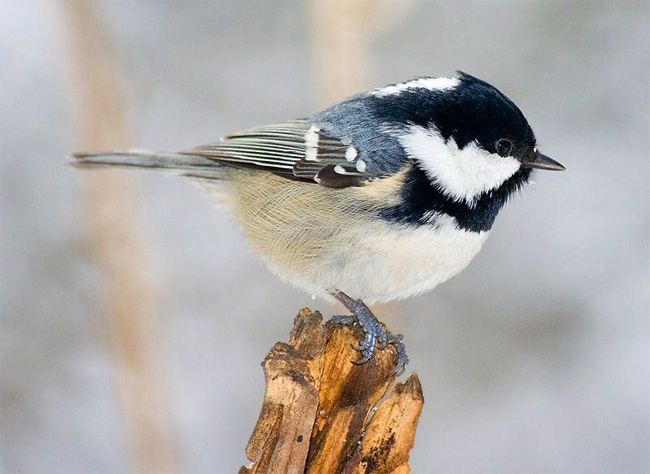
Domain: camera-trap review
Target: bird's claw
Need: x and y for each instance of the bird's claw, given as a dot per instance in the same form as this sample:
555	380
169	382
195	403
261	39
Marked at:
400	349
375	334
343	320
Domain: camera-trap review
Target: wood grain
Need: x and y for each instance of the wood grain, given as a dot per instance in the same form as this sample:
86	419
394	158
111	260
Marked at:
323	414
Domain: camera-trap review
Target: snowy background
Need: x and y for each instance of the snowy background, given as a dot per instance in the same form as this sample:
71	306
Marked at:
535	359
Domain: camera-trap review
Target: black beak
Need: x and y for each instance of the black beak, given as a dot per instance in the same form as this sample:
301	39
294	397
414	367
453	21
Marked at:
543	162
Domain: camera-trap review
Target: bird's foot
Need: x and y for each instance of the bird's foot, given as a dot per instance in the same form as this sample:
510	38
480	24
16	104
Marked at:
375	333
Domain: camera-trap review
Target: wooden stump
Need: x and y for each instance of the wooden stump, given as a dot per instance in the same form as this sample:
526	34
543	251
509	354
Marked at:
323	414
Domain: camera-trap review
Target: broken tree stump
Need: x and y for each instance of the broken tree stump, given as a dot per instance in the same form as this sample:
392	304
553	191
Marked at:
323	414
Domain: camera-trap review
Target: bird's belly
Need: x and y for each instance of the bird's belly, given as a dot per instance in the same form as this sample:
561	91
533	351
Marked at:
320	239
398	262
384	262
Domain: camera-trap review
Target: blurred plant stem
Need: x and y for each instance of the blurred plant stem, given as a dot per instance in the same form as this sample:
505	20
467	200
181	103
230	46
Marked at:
342	34
117	241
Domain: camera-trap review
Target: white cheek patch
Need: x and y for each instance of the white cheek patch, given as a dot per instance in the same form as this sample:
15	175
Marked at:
462	174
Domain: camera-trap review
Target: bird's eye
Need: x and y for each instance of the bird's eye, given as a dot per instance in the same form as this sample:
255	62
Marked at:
504	147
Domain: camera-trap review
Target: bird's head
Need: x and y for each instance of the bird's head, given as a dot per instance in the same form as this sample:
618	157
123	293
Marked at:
466	135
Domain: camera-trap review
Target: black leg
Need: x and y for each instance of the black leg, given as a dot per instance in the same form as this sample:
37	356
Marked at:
375	333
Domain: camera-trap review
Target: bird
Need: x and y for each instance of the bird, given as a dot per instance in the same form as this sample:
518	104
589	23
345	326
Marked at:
379	197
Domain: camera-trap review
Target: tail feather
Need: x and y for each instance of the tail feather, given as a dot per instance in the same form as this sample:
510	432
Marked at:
180	163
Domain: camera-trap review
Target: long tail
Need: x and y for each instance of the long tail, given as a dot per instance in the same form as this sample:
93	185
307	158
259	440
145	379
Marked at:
178	163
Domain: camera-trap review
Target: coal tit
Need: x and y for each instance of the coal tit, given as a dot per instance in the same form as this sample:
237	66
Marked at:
379	197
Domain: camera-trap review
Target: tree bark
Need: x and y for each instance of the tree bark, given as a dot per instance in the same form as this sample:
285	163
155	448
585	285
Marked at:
323	414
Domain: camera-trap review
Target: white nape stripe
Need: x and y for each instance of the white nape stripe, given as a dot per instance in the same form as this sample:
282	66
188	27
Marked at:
461	174
430	83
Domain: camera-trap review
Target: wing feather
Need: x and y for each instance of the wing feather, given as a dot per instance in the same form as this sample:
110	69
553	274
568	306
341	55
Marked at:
296	149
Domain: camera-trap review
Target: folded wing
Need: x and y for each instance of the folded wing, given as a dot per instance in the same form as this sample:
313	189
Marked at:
296	150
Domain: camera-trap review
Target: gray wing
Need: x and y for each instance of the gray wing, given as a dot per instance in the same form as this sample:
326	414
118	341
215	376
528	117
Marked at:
296	150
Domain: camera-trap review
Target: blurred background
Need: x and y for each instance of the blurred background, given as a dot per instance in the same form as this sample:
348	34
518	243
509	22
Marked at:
134	317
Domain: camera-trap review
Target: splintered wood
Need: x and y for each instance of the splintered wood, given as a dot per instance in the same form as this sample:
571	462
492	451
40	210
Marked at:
322	414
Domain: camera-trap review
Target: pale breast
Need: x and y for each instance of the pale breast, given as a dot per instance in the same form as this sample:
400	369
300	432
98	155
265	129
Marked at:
395	262
319	239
